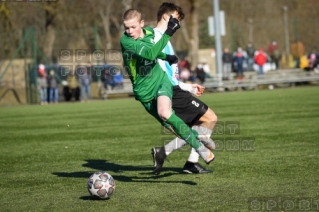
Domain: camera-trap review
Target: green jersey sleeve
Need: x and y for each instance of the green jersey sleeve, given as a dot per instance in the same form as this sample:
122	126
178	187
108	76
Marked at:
136	47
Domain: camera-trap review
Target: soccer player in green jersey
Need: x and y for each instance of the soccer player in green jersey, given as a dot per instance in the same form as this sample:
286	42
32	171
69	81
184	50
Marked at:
151	85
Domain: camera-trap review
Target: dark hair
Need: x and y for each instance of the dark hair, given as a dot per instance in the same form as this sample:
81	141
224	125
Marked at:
168	7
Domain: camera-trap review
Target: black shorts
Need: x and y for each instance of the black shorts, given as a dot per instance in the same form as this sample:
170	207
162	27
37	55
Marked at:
187	107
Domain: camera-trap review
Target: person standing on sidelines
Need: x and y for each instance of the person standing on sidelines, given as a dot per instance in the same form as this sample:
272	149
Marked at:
260	59
85	81
250	50
53	87
42	84
227	59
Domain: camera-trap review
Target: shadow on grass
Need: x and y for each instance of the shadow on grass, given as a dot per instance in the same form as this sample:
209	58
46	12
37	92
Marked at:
93	198
103	165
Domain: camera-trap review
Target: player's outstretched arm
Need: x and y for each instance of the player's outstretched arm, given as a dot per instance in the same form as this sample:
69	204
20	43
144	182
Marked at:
137	47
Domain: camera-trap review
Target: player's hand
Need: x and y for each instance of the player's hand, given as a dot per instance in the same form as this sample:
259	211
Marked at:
172	26
171	59
199	89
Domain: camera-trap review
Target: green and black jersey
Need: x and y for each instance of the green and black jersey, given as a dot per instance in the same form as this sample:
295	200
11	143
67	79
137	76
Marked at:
140	62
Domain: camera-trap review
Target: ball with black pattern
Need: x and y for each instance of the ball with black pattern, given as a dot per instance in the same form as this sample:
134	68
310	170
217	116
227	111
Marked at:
101	185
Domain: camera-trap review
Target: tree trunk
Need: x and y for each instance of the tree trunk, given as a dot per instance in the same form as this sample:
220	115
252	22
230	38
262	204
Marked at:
49	37
193	40
106	23
49	42
105	20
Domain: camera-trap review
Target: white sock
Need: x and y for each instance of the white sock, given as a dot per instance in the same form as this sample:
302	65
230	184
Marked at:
193	157
203	130
174	145
178	142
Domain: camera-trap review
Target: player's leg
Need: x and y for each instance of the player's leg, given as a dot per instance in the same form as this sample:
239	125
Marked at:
159	154
182	130
164	109
204	128
179	127
192	111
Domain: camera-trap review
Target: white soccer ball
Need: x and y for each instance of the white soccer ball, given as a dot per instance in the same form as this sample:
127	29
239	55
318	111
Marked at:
101	185
270	87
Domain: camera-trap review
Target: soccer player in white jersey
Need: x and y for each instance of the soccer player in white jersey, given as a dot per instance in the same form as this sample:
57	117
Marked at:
191	110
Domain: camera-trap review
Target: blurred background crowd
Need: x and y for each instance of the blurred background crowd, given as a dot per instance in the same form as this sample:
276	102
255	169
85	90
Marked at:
283	36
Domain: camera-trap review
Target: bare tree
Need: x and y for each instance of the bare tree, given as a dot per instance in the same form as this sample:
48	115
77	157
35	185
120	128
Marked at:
192	37
51	11
6	26
105	16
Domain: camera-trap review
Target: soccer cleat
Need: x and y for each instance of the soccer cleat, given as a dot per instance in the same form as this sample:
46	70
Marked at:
155	150
206	154
159	156
207	141
195	168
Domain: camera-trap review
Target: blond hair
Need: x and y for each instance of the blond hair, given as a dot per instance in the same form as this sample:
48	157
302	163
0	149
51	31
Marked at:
132	13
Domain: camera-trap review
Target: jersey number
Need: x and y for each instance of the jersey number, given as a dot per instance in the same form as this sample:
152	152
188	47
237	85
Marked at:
195	103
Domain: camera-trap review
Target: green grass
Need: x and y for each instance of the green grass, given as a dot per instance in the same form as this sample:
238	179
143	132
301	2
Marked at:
48	152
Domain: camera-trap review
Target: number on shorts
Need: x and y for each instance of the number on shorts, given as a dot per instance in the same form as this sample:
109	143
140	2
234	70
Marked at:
195	103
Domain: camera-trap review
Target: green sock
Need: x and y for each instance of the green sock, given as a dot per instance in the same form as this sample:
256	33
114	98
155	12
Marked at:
195	133
183	131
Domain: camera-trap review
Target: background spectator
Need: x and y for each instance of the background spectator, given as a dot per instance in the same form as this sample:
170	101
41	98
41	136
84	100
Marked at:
250	50
274	53
73	89
193	75
185	64
53	87
200	73
313	60
42	84
260	59
108	80
184	75
205	68
304	62
185	71
297	51
118	79
239	59
85	81
227	59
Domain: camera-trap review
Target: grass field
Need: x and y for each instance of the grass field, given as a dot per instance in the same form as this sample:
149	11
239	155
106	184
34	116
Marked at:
48	152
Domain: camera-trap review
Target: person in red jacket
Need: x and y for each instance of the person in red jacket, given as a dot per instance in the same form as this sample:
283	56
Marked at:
260	60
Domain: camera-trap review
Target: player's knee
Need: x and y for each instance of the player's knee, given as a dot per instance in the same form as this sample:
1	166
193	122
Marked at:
164	113
211	116
214	117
